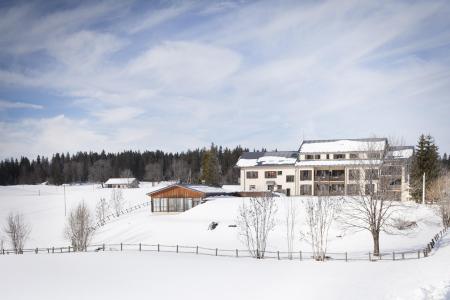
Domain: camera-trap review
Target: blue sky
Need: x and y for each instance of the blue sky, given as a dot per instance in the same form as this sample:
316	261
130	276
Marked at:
174	75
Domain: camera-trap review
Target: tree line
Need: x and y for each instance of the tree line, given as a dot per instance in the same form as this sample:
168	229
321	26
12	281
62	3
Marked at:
211	166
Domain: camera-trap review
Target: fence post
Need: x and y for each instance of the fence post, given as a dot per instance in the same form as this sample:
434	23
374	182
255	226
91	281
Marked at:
278	254
370	256
61	249
418	254
158	247
196	250
216	251
120	246
346	258
103	247
237	253
36	250
68	248
177	248
140	247
403	255
393	255
300	255
53	249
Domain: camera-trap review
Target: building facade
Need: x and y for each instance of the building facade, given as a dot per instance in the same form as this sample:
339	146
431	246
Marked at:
332	167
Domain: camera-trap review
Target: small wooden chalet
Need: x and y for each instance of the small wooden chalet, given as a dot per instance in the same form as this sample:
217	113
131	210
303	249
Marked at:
181	197
122	183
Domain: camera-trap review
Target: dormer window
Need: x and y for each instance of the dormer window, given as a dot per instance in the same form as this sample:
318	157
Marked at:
309	156
339	156
317	156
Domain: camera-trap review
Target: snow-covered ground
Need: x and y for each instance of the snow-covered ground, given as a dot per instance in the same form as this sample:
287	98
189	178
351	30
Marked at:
129	275
150	275
43	208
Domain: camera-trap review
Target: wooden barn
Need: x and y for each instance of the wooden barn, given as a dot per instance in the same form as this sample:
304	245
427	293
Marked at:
122	183
181	197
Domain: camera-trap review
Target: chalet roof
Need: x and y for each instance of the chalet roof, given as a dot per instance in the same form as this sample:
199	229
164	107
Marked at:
343	145
250	159
120	180
206	189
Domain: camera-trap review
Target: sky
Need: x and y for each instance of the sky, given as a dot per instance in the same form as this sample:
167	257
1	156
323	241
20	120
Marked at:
177	75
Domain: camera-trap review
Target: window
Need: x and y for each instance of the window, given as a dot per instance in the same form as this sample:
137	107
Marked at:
328	156
280	172
391	170
337	174
270	174
353	174
317	156
354	155
252	174
371	174
309	156
306	175
252	187
370	189
337	189
339	156
373	155
270	187
279	187
289	178
395	182
352	189
305	190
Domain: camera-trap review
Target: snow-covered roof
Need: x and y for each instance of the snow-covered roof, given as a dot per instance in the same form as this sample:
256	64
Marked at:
120	180
401	152
208	190
343	145
251	159
343	162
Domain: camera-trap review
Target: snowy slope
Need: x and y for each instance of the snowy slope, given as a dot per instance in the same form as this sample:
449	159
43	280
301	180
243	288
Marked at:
43	208
150	275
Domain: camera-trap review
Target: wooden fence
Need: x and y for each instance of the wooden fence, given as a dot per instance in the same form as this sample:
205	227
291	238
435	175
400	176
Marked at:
278	255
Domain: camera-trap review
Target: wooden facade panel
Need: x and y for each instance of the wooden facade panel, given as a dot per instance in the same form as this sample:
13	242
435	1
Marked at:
177	192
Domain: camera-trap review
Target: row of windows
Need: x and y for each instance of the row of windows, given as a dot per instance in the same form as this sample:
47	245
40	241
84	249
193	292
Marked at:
336	175
334	189
370	155
269	174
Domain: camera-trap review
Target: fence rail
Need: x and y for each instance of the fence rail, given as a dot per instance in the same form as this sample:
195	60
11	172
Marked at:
239	253
124	211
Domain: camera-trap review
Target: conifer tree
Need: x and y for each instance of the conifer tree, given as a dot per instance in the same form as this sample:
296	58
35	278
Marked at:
211	171
426	160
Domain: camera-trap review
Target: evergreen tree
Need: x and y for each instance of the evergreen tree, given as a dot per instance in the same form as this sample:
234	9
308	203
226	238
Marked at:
211	171
426	160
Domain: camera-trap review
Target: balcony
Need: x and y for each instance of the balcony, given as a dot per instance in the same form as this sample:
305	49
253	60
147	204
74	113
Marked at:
326	178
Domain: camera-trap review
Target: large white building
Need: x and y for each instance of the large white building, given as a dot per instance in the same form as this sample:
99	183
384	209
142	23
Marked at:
335	167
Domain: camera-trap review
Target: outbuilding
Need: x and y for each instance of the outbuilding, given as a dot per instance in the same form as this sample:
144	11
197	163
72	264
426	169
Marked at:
122	183
181	197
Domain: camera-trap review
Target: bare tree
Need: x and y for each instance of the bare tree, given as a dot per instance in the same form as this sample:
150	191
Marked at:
290	220
372	205
116	202
79	228
17	231
256	220
100	171
126	174
102	209
154	172
320	214
439	192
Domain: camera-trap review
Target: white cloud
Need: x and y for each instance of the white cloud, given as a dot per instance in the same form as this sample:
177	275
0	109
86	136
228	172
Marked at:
117	115
4	105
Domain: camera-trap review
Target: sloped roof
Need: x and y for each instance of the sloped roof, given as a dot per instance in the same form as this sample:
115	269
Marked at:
343	145
400	152
250	159
206	189
120	180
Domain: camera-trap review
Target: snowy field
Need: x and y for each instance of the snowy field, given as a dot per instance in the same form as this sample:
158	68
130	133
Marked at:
128	275
43	208
149	275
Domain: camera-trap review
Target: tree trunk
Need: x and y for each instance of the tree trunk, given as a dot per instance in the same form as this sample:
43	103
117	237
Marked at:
376	243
